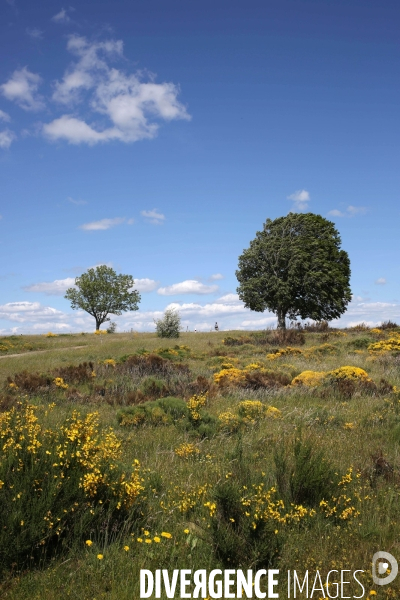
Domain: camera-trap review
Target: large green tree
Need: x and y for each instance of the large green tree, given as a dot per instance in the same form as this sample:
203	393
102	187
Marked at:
100	292
295	268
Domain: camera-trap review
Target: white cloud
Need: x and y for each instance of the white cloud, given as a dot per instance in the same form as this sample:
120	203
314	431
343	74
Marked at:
356	210
300	198
76	131
336	213
229	299
216	277
61	17
351	211
132	106
105	224
77	202
372	313
190	286
4	116
22	88
22	312
34	33
145	285
152	216
380	281
6	138
57	287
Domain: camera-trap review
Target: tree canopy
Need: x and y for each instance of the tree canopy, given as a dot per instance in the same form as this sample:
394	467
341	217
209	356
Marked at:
100	292
295	268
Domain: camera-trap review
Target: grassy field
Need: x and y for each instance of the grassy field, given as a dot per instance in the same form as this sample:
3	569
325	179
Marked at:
228	450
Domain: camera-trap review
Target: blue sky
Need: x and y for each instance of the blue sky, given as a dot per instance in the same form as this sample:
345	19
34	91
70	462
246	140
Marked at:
157	136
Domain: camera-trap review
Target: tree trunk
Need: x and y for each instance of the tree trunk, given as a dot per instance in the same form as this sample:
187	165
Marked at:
97	325
281	318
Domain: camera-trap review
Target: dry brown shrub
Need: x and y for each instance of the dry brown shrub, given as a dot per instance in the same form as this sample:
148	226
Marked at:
388	325
75	374
316	327
7	402
30	382
271	379
384	387
135	397
287	337
151	364
201	385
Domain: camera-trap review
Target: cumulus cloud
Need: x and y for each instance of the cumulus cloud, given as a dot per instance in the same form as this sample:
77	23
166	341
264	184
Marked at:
372	313
22	88
380	281
351	211
6	138
131	106
216	277
34	33
300	199
145	285
61	17
105	224
57	287
22	312
190	286
152	216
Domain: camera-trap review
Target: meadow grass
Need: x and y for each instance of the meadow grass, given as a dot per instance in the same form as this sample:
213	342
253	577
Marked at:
311	483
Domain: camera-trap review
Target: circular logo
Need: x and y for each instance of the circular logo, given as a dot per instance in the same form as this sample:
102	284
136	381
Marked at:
383	566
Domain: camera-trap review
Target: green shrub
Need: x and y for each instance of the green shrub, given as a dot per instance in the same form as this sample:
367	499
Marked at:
158	412
169	326
304	475
360	343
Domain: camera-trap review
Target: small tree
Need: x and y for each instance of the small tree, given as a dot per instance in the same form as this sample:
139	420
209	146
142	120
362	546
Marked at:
169	326
100	292
295	267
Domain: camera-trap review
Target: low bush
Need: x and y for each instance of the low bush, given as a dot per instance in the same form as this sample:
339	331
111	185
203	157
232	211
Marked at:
59	484
163	411
170	325
76	374
359	343
29	382
304	475
150	364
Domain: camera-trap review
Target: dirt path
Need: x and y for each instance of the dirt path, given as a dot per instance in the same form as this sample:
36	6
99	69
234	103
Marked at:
40	351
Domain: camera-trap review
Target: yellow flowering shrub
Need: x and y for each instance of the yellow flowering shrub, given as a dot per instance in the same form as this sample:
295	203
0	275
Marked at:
51	334
109	362
58	480
251	410
273	412
309	378
60	383
390	345
230	376
289	351
100	332
354	374
187	450
194	404
229	421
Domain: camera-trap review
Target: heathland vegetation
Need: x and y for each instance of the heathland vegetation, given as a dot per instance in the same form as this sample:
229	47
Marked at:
243	450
